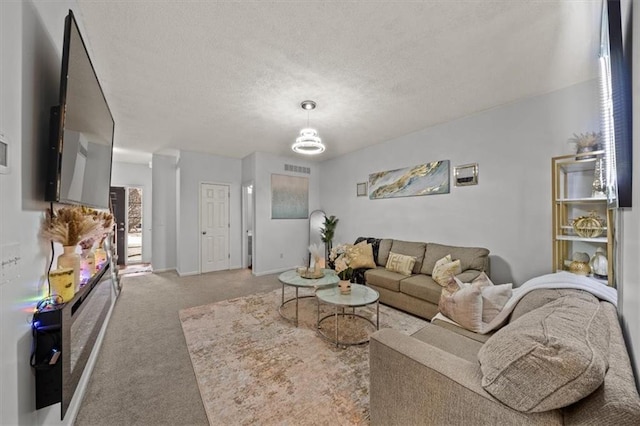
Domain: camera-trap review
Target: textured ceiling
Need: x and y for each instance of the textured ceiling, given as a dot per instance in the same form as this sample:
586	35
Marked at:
227	78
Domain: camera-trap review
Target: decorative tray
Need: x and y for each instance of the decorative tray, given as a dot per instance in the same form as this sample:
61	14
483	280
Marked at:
310	274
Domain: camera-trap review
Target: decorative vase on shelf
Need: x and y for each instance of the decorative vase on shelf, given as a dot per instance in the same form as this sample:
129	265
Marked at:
600	264
100	257
599	186
61	281
345	286
70	259
87	265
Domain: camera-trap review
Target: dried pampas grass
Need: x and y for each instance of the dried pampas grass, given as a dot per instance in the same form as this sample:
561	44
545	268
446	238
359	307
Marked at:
68	225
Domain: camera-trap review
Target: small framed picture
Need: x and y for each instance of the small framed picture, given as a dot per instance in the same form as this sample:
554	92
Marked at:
361	189
466	175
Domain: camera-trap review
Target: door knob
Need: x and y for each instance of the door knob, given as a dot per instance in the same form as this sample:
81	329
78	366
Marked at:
204	232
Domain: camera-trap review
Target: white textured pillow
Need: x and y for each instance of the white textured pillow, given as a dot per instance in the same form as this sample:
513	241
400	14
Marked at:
445	269
400	263
494	297
463	304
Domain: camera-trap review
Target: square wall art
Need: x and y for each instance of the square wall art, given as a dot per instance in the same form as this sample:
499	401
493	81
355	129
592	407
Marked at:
289	197
424	179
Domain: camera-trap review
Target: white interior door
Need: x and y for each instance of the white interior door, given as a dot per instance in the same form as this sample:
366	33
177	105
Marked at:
214	227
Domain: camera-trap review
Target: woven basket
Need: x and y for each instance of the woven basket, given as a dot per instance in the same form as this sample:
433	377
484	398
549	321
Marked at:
590	226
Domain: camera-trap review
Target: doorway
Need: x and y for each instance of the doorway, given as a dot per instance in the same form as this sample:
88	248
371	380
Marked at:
126	205
134	225
248	235
214	227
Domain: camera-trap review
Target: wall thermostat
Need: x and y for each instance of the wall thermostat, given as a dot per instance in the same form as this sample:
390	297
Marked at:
4	154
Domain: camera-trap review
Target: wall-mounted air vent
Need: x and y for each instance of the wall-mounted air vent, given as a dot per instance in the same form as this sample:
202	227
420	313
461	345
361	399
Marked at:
297	169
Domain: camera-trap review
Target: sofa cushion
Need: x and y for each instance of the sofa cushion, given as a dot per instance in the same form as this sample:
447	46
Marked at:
452	343
361	256
494	297
445	269
463	304
537	298
470	257
422	287
381	277
400	263
383	251
410	248
548	358
375	244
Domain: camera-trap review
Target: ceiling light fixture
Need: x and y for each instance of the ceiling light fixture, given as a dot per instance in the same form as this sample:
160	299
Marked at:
308	143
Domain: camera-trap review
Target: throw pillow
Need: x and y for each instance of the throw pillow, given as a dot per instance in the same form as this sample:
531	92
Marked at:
400	263
493	300
463	304
361	256
548	358
445	269
494	297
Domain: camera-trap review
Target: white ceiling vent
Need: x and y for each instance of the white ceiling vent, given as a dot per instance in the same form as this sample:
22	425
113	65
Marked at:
297	169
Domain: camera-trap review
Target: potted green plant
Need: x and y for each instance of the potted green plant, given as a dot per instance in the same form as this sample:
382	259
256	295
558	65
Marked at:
328	231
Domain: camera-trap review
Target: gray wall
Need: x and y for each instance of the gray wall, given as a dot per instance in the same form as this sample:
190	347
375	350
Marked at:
194	169
508	212
164	204
280	244
31	45
138	175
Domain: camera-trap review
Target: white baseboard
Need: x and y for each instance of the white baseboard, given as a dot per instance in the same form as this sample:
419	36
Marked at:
187	274
164	270
273	271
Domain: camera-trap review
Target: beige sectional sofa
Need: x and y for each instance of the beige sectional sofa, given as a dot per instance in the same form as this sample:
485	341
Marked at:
419	293
441	375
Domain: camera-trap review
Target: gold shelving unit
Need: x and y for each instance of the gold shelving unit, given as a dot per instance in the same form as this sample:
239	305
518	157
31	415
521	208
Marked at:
572	177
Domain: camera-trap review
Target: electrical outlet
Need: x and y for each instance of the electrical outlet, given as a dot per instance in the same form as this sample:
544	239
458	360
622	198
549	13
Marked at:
9	262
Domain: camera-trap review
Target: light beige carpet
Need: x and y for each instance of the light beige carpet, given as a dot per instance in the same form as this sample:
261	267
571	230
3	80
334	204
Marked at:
253	367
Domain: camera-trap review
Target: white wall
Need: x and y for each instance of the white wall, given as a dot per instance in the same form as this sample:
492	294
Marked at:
629	279
280	244
194	169
31	45
138	175
164	205
509	211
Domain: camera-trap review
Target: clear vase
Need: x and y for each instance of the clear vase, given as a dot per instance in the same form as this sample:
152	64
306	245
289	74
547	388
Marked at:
100	256
87	265
70	259
599	185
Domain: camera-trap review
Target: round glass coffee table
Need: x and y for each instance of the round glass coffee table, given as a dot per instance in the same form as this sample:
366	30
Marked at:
293	279
360	296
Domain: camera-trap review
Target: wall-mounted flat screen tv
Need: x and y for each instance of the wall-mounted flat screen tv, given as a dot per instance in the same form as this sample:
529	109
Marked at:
81	130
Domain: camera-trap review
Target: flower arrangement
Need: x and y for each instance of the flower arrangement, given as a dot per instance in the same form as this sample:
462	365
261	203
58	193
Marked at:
339	255
68	225
316	253
585	142
105	221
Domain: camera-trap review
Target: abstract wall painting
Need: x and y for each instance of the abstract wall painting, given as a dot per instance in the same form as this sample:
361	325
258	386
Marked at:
289	197
424	179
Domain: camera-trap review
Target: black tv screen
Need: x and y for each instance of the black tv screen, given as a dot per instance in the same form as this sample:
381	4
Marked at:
617	108
81	130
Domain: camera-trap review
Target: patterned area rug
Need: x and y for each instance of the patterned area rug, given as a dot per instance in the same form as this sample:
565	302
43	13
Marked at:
254	367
